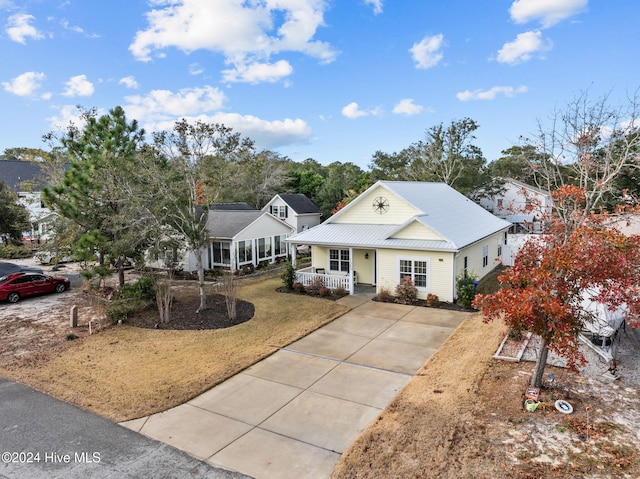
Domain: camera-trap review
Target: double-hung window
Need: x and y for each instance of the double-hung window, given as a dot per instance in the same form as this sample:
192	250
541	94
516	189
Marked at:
417	270
339	260
279	246
485	255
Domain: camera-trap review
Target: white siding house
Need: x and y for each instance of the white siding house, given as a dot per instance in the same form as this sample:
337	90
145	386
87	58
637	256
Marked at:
521	204
426	231
296	210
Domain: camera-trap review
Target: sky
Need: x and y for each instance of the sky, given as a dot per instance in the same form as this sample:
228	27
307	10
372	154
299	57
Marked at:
332	80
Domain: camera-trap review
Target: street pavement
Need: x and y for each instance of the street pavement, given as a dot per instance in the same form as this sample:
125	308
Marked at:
44	438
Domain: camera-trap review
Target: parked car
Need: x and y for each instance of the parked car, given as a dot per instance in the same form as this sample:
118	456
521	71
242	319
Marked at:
49	257
8	268
19	285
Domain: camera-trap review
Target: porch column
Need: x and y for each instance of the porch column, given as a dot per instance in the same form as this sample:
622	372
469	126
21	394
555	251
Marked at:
292	252
351	286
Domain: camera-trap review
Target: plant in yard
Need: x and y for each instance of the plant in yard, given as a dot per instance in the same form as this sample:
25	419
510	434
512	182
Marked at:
289	276
552	276
164	299
299	287
432	300
406	292
323	292
385	296
229	288
466	289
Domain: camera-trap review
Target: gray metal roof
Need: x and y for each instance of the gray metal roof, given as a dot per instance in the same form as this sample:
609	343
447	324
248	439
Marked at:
453	216
364	236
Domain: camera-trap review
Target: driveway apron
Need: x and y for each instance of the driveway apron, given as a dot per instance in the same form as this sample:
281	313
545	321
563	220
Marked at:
294	413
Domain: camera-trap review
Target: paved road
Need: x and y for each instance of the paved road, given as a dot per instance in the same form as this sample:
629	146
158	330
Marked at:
63	441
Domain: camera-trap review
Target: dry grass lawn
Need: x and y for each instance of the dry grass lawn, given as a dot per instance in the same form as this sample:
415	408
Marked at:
125	372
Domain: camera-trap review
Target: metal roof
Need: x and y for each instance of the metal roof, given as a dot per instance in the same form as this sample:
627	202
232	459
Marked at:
455	218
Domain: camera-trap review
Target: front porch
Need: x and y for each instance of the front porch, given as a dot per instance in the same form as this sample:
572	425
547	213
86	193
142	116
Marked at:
314	276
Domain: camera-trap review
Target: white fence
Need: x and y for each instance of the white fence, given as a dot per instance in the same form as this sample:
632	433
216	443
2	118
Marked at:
309	276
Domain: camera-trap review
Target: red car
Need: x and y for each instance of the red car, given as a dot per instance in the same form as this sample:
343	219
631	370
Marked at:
18	285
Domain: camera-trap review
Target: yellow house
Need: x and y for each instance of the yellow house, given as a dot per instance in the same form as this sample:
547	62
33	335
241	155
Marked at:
426	231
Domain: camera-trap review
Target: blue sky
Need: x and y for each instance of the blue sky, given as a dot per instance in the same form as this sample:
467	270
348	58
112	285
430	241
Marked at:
330	80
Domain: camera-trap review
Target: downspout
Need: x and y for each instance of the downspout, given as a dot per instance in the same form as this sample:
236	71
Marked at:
351	287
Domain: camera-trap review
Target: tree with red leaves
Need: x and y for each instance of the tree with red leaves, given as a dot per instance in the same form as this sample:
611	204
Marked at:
544	291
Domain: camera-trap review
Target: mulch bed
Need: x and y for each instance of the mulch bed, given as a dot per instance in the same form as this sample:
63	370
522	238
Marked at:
184	317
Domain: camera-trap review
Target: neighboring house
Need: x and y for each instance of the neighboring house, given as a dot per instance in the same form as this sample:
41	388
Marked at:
25	179
426	231
241	237
521	204
296	210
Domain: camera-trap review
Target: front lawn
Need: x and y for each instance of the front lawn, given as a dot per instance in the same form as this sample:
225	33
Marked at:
126	372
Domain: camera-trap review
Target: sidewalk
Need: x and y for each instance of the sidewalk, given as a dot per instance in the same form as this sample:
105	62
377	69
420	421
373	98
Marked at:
294	413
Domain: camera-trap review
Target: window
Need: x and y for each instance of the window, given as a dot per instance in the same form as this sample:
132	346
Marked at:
279	246
339	260
221	252
244	252
264	248
485	255
466	263
417	270
279	211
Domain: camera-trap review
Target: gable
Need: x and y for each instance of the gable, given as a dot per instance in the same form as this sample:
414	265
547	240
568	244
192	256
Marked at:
363	211
416	230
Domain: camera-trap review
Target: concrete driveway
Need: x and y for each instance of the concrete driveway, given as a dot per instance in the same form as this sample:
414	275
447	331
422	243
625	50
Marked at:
293	414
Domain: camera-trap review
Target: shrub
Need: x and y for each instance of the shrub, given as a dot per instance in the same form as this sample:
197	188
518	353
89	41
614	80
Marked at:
314	288
385	296
122	310
432	300
12	251
71	337
406	292
340	292
466	289
324	292
289	276
298	287
144	288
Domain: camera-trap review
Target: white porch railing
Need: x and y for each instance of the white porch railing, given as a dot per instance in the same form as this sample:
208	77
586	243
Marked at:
309	276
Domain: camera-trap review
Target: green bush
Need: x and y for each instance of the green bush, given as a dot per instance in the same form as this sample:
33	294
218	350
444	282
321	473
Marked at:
144	288
289	276
122	310
11	251
466	289
406	292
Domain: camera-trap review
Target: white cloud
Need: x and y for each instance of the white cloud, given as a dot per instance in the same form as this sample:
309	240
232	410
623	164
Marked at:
549	12
244	32
353	111
69	114
18	28
259	72
406	106
490	94
78	86
427	53
523	47
195	69
129	82
25	84
376	4
161	105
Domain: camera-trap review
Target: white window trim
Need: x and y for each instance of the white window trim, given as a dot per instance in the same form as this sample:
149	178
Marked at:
413	259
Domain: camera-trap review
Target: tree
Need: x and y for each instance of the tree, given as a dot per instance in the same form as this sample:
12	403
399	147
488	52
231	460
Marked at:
591	144
14	217
181	168
553	275
96	190
390	166
449	155
519	163
341	177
